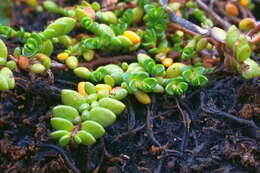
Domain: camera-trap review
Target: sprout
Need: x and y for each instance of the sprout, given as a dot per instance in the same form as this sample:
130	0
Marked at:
195	76
176	86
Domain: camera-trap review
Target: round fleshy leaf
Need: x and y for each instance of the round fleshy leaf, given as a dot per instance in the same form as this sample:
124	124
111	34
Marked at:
3	50
91	98
59	133
233	35
77	139
169	89
61	124
114	105
85	115
82	72
64	140
94	128
243	53
66	112
86	138
72	98
9	77
3	83
252	69
103	116
159	70
90	88
118	93
142	97
175	70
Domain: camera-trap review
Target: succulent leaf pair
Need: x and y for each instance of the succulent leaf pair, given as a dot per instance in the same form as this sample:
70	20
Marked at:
80	121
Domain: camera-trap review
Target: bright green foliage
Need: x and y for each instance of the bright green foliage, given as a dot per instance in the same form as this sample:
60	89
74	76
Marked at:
3	53
6	79
242	50
80	121
195	76
60	27
176	86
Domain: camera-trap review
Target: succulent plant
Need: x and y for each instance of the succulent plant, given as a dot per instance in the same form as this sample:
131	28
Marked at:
79	122
35	42
242	51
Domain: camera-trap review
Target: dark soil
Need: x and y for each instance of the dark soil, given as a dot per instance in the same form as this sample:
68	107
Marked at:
214	129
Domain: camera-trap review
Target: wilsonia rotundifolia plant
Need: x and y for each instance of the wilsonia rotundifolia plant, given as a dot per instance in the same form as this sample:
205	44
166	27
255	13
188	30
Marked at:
87	112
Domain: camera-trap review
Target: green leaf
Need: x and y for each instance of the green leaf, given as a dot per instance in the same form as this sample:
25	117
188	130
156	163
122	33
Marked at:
149	65
3	83
175	70
159	70
66	112
59	133
72	98
250	70
61	124
91	98
103	116
243	52
3	50
94	128
187	53
118	93
64	140
148	84
114	105
8	74
233	35
90	88
59	27
82	72
86	138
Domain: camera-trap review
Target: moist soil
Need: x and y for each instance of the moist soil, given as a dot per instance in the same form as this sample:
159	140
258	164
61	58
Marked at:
212	129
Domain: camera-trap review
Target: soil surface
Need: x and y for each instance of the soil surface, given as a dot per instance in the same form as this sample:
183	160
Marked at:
213	129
